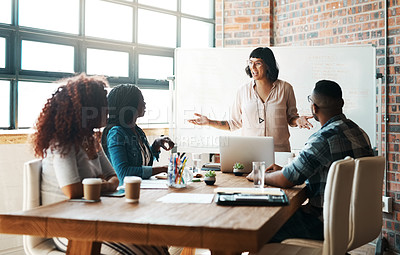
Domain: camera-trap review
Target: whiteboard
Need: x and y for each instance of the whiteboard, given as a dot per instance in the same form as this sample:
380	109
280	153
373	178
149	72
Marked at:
206	82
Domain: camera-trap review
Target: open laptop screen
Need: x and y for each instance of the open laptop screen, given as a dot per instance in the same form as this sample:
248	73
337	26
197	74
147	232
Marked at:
245	150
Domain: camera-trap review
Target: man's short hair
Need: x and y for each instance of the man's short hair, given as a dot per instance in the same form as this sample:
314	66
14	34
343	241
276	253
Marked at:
328	88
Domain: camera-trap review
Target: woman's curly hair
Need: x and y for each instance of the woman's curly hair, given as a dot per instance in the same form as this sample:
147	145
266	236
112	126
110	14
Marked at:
70	116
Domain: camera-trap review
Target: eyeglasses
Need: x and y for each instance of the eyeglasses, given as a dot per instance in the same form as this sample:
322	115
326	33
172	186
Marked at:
309	99
257	63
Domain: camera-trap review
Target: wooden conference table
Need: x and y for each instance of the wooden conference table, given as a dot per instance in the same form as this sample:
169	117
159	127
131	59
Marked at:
222	229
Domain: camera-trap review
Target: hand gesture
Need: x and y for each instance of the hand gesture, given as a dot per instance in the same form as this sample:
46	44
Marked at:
302	122
201	120
163	142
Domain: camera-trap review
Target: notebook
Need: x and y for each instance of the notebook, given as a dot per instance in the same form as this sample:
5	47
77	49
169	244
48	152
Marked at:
251	196
245	150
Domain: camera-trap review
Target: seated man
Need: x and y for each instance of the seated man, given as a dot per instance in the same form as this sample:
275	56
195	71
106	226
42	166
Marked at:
338	137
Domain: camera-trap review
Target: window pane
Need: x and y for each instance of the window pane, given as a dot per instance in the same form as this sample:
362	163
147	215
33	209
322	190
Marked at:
154	67
202	8
31	99
196	34
2	52
5	103
47	57
5	12
108	20
59	15
105	62
165	4
161	33
157	106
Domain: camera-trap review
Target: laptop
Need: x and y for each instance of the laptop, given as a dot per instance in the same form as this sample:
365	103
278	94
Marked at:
245	150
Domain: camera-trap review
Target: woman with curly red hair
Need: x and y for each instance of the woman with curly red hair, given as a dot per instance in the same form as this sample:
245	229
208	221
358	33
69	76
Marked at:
66	139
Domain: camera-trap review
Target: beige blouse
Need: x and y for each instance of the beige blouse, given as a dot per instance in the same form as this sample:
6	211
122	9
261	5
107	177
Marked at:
271	118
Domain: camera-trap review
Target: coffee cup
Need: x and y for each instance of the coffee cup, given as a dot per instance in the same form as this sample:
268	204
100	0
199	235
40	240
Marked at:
132	188
91	188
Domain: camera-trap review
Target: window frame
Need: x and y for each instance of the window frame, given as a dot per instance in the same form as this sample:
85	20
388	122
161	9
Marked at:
14	34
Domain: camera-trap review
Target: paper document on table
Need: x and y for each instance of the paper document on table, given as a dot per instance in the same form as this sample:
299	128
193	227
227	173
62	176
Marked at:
254	191
154	184
151	183
187	198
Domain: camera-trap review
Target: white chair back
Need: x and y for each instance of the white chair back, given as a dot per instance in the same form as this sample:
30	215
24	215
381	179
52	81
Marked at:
366	201
31	184
337	206
32	175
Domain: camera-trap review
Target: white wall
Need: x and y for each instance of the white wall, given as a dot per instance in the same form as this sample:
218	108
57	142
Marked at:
12	158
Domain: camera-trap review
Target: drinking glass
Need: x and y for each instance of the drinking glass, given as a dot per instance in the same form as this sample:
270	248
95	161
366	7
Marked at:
258	174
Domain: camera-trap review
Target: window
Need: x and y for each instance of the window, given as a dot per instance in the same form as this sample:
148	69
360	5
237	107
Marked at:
148	64
202	8
104	62
128	41
4	103
160	33
157	106
196	34
47	57
5	11
60	15
165	4
32	97
2	52
108	20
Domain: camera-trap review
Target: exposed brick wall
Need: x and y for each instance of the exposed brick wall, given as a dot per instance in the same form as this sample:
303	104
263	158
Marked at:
245	23
323	22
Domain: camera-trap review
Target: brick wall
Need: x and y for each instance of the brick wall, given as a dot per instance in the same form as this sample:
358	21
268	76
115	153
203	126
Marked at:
318	22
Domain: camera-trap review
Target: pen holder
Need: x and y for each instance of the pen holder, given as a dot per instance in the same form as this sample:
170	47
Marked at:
178	172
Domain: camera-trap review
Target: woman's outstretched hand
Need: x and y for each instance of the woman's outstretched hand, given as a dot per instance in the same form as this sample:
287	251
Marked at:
302	122
201	120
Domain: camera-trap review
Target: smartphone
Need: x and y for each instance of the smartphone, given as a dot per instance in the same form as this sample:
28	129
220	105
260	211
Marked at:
117	193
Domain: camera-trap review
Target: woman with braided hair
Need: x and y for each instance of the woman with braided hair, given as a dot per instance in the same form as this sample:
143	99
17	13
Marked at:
124	142
67	137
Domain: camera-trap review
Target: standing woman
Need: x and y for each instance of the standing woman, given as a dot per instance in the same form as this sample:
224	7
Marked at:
124	142
263	107
66	139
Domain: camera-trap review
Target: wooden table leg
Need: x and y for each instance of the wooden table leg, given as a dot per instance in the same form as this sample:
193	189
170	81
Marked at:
83	247
188	251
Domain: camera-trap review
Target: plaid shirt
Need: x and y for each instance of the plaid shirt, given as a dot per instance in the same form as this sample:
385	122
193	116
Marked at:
338	138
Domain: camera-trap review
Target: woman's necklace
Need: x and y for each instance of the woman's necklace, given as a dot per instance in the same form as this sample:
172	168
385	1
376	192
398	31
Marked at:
260	120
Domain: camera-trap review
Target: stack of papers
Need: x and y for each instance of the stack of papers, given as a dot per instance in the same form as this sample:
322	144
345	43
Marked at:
211	166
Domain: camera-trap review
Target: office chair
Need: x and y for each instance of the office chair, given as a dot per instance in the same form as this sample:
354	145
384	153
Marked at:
32	175
336	209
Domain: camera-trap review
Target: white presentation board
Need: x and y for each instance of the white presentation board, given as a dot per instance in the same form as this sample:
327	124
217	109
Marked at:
206	82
